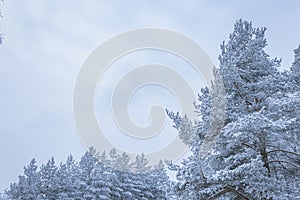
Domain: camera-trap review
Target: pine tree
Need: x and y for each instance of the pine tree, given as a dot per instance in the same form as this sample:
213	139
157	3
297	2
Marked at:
102	182
159	181
48	180
140	165
243	64
68	179
28	186
191	180
254	131
243	159
295	69
119	162
88	165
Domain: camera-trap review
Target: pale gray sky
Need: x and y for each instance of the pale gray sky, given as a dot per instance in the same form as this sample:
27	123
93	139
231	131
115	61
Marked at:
46	42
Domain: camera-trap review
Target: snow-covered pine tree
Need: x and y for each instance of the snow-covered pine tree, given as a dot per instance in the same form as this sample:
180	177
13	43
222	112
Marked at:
243	64
88	164
119	162
159	182
68	179
200	137
295	69
140	165
48	180
136	183
103	181
284	152
28	186
244	163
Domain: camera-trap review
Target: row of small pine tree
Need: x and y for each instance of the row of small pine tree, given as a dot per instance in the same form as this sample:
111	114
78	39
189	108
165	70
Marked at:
93	177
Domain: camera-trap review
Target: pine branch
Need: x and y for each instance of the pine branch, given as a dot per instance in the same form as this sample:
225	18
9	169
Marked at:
219	194
237	192
247	145
226	190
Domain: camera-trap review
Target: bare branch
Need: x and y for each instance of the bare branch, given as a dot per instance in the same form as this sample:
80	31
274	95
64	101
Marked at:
283	161
285	151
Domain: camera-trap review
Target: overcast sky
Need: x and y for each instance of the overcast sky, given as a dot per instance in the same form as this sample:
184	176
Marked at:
45	44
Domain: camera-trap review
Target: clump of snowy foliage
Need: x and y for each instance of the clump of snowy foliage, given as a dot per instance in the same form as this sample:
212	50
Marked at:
245	144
